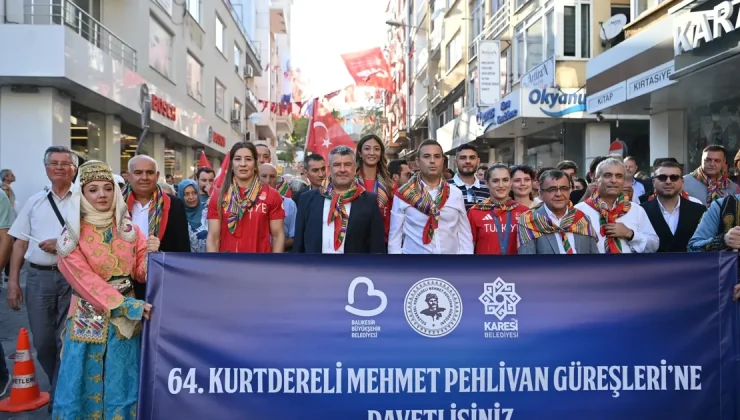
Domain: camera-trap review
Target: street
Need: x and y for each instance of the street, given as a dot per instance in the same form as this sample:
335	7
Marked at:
10	323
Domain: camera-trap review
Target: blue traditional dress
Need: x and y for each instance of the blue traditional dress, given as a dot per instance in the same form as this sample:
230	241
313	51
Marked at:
99	372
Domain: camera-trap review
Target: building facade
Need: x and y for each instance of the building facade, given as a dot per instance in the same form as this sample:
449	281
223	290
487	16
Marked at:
78	75
676	67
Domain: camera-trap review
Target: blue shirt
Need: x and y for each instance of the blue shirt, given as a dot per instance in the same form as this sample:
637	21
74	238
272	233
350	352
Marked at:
290	212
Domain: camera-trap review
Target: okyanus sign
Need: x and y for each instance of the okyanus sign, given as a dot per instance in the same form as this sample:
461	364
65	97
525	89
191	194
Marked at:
316	337
547	99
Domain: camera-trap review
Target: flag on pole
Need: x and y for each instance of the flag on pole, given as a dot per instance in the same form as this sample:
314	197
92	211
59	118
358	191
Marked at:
325	133
203	161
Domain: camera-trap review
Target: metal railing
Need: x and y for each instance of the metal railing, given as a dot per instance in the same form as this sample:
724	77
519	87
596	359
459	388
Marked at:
435	39
252	99
63	12
238	21
497	24
420	60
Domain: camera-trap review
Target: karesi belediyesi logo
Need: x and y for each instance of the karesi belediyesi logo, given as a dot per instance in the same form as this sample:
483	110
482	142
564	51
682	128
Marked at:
500	300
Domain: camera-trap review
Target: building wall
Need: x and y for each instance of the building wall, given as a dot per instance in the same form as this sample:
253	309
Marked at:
454	25
265	86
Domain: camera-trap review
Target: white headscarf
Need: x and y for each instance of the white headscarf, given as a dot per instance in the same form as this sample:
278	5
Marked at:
81	209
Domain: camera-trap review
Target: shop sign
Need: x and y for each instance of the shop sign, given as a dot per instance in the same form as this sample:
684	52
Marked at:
650	80
501	113
607	97
489	72
690	29
164	108
542	76
219	139
555	103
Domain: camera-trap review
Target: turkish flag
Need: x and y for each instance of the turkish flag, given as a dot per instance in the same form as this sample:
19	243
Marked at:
221	174
203	161
369	68
325	133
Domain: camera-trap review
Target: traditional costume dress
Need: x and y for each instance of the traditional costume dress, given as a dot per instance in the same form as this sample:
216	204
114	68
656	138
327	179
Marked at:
494	226
100	254
723	215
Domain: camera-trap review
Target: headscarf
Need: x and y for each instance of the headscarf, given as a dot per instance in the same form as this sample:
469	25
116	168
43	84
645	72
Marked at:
194	214
81	209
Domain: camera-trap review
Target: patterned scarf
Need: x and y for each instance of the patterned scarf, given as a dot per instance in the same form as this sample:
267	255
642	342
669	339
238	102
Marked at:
380	189
159	210
533	226
283	188
715	189
489	204
237	204
684	194
338	214
415	195
608	216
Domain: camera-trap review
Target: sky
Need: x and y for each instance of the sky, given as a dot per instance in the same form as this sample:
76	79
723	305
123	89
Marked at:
324	29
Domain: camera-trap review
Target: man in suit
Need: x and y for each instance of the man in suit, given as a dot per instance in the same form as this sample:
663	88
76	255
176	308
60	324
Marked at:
315	168
340	217
673	216
556	227
168	224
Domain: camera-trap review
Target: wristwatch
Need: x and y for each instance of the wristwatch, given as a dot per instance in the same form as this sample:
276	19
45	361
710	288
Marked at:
632	236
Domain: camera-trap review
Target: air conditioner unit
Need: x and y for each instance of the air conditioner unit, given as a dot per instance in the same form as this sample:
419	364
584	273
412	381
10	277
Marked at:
235	115
248	71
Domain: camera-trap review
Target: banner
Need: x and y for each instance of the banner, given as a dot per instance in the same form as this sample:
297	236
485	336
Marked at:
421	337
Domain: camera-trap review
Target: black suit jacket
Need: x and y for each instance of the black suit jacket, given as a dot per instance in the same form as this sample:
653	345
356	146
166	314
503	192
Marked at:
365	231
176	236
689	215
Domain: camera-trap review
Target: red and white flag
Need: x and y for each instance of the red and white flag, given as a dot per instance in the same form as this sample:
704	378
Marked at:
203	161
221	174
369	68
325	133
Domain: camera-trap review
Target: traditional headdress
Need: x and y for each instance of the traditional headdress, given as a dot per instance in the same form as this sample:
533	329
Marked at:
81	209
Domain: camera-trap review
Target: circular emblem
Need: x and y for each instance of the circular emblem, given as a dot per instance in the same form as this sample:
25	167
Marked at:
433	307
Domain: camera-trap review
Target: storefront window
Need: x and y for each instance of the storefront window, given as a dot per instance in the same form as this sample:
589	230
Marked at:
716	123
545	148
129	140
173	161
87	133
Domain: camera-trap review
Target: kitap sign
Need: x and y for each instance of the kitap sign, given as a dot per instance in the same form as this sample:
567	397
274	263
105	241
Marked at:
692	29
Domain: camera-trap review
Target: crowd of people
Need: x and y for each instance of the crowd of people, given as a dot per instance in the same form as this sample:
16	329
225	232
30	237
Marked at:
82	242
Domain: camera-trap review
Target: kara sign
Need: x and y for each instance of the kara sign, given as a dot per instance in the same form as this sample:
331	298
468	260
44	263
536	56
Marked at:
542	76
489	72
164	108
556	103
694	28
607	97
650	80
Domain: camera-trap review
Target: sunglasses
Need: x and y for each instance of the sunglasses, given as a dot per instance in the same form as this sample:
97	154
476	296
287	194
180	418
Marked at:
664	178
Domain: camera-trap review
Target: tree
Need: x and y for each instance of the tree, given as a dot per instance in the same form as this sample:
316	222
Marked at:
372	118
286	157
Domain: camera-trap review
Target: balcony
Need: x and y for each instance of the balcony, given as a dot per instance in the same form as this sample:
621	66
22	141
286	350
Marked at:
421	13
253	53
439	8
284	124
435	38
251	102
68	14
278	22
498	25
420	61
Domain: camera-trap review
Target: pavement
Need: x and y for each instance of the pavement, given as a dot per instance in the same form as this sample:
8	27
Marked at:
10	323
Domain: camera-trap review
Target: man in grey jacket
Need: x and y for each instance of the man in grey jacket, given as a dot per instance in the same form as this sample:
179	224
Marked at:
709	182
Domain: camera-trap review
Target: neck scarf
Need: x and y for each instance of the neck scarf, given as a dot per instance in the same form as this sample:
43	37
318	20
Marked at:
715	189
684	194
283	188
380	190
416	195
533	226
194	214
338	214
159	210
489	204
237	204
606	216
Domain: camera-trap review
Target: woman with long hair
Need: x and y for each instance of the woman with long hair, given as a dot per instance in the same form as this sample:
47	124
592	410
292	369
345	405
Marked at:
243	194
101	252
494	221
522	180
373	174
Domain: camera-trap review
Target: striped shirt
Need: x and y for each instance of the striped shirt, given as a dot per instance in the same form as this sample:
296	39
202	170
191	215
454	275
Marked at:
472	194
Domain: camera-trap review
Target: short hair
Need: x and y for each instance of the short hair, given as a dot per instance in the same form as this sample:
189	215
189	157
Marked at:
394	168
267	164
595	163
315	157
262	145
428	142
658	161
61	149
341	151
202	170
715	148
541	171
482	167
493	168
669	164
567	164
632	158
553	174
133	160
466	146
5	173
524	168
608	162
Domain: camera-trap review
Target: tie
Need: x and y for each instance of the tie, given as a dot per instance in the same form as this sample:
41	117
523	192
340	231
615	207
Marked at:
566	243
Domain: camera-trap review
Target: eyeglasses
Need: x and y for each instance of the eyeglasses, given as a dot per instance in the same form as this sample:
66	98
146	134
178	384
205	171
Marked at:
553	190
664	178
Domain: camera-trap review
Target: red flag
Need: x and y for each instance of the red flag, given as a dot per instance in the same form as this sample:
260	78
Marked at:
203	161
221	174
369	68
325	132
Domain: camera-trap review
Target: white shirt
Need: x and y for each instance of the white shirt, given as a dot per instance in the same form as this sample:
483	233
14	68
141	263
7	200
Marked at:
671	218
37	219
645	240
140	216
569	235
452	236
327	230
638	189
